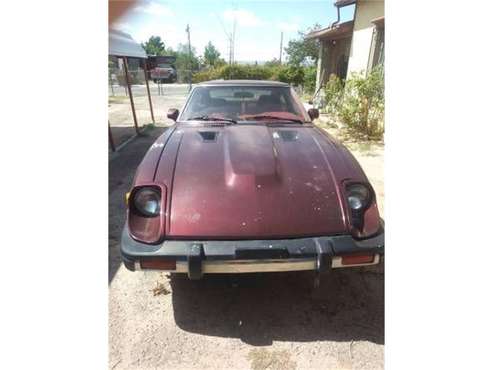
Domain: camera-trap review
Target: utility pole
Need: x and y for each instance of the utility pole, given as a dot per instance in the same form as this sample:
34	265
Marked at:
189	60
280	51
233	42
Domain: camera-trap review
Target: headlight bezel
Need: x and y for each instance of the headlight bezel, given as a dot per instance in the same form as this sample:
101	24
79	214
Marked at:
360	191
136	205
352	189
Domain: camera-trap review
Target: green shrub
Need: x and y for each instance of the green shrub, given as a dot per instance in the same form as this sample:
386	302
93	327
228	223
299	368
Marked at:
290	74
207	75
310	79
360	104
334	93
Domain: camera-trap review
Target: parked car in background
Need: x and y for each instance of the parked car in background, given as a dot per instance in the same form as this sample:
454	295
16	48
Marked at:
162	69
245	182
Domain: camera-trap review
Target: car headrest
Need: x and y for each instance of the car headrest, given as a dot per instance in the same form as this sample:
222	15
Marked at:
269	99
217	102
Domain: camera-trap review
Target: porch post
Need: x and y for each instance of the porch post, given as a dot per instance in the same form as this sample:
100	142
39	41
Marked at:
127	78
148	91
319	65
112	143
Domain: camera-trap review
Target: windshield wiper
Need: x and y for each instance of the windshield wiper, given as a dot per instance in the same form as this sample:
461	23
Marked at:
267	116
207	118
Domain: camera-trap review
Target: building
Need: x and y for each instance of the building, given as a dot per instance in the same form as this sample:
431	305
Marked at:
355	46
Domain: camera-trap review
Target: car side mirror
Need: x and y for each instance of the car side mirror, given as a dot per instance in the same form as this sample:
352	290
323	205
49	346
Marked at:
173	113
310	102
313	113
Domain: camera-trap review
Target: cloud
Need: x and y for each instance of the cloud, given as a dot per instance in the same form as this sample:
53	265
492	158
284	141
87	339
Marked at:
154	8
288	26
243	17
122	26
170	35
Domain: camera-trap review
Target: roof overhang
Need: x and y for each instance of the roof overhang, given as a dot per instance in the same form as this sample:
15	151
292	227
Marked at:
338	31
379	22
341	3
121	44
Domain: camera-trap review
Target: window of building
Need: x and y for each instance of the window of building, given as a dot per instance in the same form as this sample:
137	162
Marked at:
379	47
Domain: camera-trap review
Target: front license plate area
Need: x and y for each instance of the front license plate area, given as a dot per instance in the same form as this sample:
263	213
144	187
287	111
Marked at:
261	253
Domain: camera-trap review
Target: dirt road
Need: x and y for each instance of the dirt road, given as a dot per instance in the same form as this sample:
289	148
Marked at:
270	321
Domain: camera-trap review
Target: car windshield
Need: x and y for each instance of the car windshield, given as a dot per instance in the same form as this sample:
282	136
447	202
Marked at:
163	65
245	103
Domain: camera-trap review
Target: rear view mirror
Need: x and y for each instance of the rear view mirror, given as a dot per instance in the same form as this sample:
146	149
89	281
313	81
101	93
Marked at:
173	114
243	94
313	113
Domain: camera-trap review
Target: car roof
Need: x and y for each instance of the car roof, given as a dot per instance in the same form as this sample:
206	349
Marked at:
243	83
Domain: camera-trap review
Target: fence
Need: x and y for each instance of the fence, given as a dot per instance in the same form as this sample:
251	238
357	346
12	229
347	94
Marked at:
120	116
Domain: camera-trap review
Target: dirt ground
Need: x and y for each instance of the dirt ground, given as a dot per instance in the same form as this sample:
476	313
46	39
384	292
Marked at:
257	321
370	155
120	112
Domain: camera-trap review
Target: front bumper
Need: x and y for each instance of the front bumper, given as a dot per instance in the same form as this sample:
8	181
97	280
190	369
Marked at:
243	256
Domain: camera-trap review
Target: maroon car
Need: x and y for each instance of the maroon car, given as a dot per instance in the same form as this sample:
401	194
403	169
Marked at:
244	182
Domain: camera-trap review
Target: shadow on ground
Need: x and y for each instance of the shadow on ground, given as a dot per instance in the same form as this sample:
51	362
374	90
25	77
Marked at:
121	171
262	308
121	134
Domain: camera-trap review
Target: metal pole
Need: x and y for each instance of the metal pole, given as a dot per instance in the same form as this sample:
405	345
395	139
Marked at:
148	91
111	82
112	143
189	60
125	65
280	51
233	41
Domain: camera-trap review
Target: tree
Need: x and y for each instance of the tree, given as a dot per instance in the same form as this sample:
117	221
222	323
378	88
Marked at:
302	51
211	55
184	62
272	63
155	46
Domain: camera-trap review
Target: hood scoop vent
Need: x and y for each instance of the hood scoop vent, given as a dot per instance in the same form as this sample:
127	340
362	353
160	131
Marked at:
286	135
208	136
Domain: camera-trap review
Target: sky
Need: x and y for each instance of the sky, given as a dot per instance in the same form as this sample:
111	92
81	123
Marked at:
259	23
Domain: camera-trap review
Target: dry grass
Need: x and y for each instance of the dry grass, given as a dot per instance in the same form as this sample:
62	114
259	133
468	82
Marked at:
160	289
262	359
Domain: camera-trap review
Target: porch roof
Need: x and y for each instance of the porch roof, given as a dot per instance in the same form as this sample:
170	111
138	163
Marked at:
338	31
341	3
379	22
121	44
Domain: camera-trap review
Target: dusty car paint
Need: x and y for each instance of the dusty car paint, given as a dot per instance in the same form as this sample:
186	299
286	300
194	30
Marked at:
249	181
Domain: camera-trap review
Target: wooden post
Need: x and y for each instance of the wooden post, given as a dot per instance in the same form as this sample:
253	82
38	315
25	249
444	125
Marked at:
112	143
127	79
148	91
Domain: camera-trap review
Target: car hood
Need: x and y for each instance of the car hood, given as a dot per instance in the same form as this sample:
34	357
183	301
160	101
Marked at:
253	181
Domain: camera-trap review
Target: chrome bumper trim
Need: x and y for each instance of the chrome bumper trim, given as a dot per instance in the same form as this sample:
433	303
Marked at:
337	262
271	265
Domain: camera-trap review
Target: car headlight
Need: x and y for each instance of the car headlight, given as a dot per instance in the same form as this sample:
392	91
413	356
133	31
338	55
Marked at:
358	196
147	201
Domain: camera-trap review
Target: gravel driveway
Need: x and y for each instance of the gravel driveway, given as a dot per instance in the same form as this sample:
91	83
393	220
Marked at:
258	321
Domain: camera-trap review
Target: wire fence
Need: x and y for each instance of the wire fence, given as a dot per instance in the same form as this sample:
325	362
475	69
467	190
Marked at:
117	83
163	96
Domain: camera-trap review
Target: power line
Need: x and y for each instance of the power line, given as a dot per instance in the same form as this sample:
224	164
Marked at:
229	38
